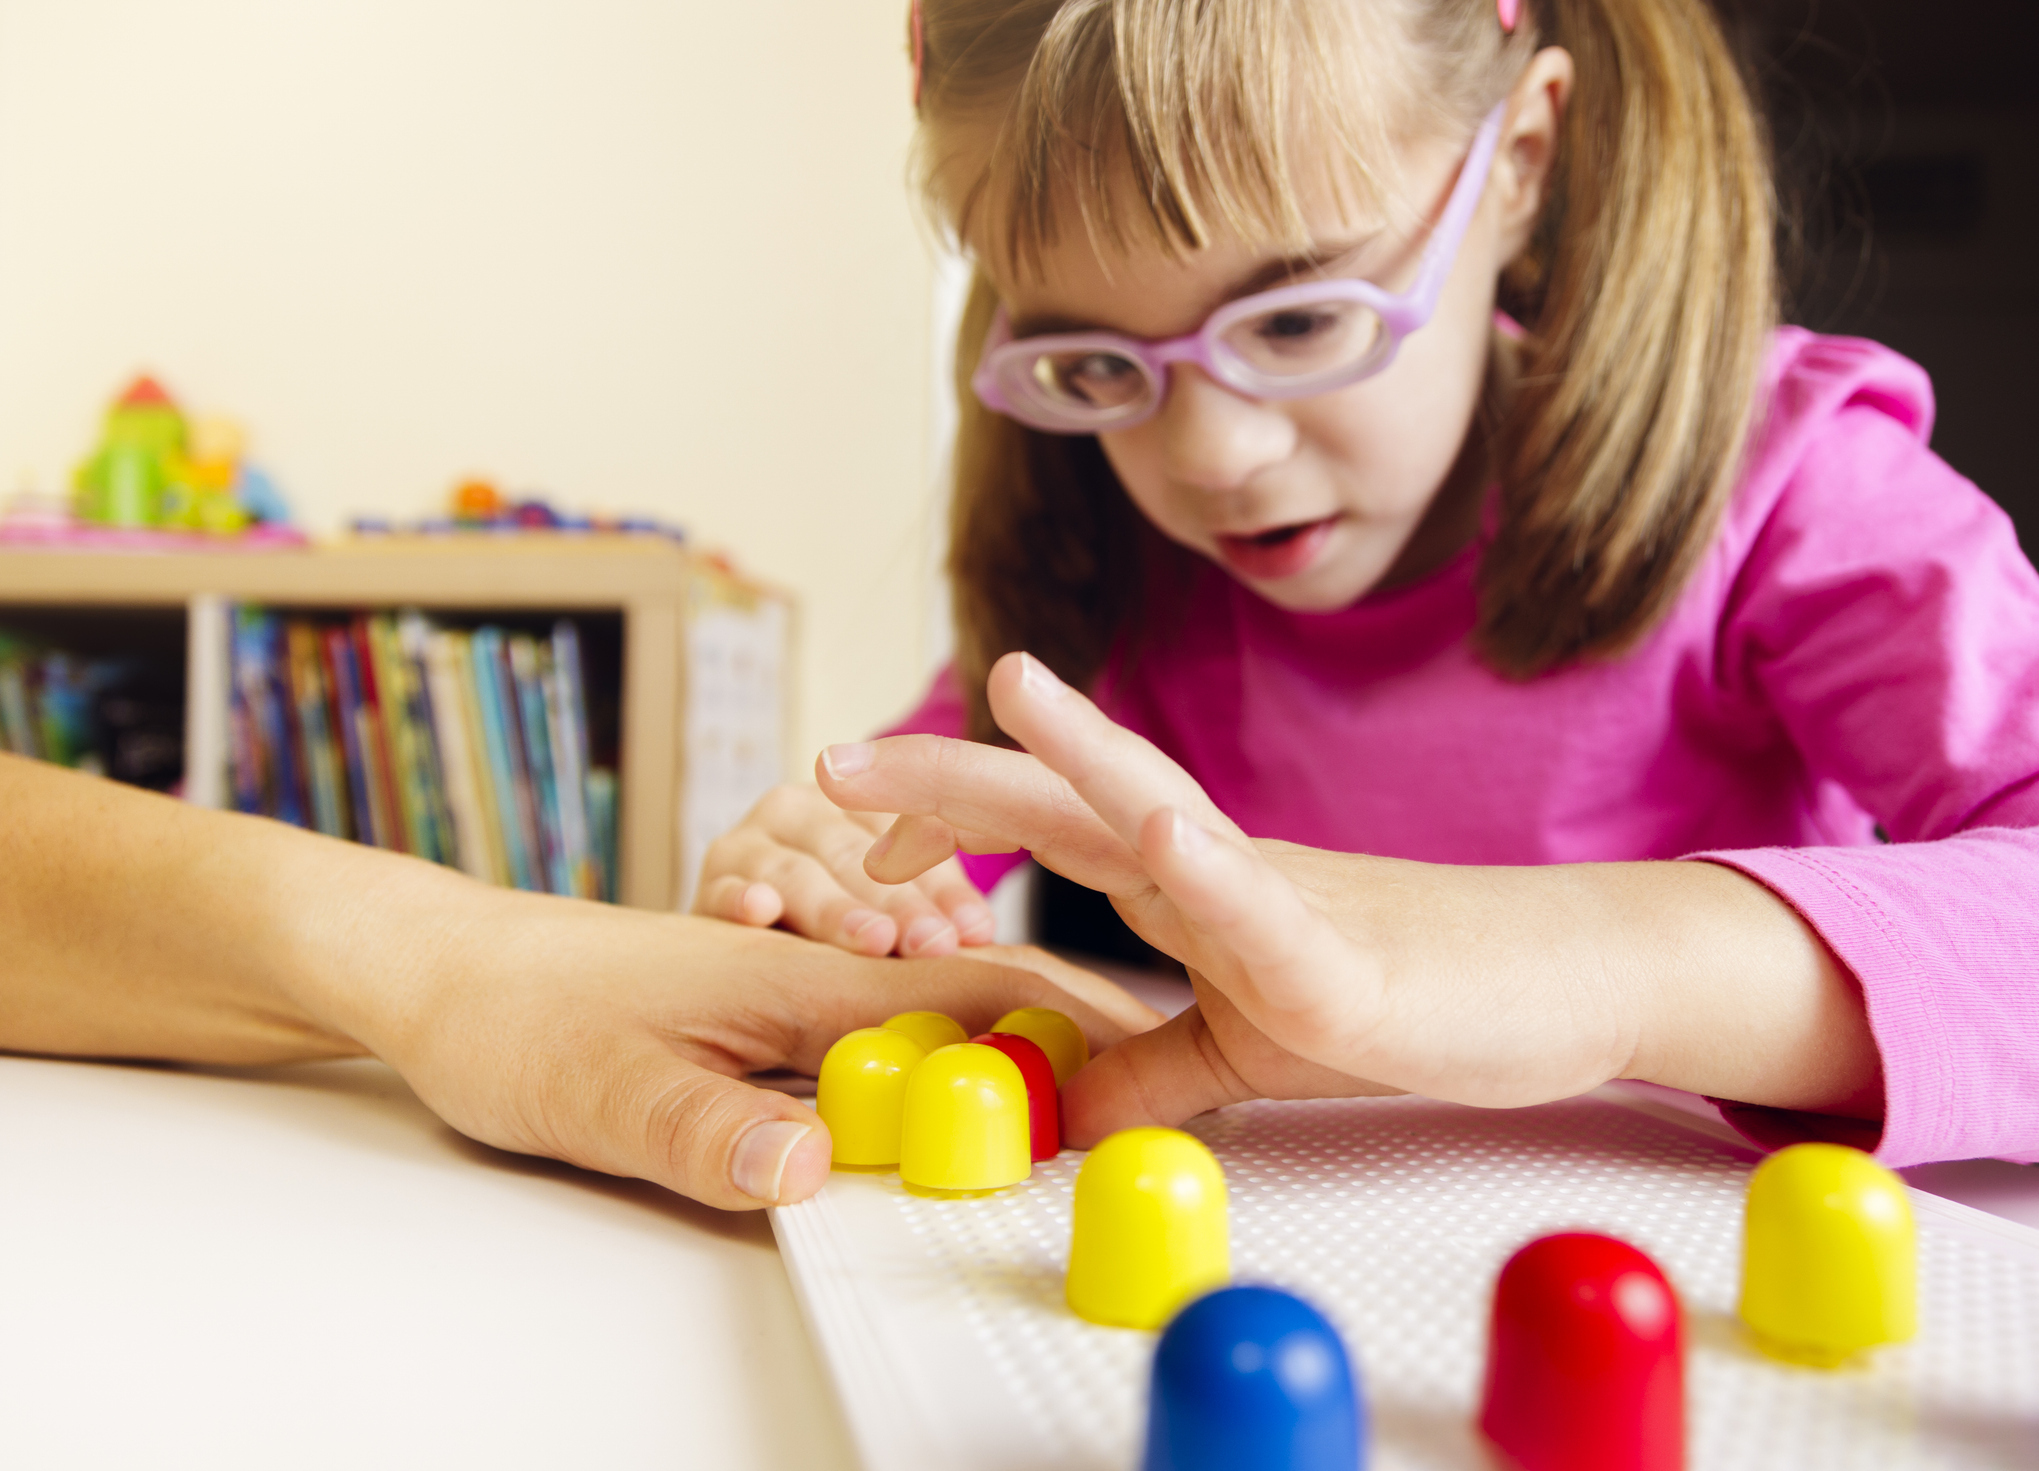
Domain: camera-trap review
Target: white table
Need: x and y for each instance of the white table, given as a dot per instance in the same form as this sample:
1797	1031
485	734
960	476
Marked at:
302	1267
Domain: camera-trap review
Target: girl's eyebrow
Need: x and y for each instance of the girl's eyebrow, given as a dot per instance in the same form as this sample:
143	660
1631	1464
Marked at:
1260	278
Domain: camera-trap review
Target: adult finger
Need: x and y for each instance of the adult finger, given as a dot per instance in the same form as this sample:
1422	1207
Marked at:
1005	797
719	1140
1121	776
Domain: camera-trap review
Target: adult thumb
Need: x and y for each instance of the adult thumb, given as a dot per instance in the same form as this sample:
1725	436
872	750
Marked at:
715	1138
1165	1076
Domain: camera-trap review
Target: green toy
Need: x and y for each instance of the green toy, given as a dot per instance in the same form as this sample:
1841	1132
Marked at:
124	481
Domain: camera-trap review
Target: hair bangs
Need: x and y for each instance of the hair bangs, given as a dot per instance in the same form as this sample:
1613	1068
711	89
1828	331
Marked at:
1169	124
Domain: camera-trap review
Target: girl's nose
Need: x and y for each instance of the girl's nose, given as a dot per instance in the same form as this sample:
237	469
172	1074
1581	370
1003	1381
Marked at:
1215	439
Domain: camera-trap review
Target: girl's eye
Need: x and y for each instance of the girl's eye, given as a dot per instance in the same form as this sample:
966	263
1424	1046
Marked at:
1304	341
1099	379
1295	326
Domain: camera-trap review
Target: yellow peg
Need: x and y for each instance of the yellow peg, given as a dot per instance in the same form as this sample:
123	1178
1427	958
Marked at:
1150	1229
929	1028
1828	1256
967	1124
1053	1033
862	1094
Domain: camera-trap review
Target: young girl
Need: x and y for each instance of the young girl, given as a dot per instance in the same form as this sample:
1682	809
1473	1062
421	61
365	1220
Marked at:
1622	621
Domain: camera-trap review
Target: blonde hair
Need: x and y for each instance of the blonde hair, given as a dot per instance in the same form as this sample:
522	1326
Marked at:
1647	294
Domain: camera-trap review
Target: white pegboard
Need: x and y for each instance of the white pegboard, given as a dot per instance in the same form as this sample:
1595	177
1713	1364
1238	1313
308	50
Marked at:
943	1324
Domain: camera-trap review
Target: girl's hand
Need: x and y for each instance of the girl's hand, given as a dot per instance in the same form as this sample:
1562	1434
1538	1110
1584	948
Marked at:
1322	973
798	861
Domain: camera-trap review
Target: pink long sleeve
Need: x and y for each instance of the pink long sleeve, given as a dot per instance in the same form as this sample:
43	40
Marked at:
1886	612
941	713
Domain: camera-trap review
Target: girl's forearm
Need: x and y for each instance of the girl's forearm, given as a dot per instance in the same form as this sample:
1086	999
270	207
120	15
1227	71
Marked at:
1751	1004
132	925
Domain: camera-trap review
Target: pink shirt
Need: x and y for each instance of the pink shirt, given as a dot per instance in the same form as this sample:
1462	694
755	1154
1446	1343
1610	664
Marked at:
1860	646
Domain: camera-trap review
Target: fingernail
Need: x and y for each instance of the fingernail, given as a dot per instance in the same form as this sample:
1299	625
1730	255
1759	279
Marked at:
1186	835
1040	679
859	920
848	760
923	932
761	1156
972	917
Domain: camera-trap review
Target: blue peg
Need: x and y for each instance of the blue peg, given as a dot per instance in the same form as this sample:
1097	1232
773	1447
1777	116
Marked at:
1253	1379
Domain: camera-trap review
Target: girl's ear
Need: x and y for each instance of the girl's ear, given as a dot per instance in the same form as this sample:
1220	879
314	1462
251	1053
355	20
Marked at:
1528	150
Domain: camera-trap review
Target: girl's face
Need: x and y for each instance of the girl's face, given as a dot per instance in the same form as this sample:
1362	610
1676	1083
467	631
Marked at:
1314	502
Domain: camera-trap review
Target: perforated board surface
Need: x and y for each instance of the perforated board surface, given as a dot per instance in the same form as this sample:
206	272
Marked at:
944	1328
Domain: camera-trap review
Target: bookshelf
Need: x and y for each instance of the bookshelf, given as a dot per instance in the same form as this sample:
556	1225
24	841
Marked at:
706	662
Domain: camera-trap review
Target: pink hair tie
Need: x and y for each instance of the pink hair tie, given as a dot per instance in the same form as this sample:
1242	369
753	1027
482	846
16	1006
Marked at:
914	33
1511	12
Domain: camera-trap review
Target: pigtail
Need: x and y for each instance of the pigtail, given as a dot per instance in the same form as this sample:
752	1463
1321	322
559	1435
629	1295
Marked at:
1649	296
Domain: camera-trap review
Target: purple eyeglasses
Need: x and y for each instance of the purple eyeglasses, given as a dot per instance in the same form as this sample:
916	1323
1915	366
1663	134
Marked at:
1291	342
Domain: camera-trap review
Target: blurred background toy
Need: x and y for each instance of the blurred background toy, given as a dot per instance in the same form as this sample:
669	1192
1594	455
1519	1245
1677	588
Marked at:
154	469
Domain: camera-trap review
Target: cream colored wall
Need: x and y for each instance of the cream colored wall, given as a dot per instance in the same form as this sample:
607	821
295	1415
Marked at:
650	255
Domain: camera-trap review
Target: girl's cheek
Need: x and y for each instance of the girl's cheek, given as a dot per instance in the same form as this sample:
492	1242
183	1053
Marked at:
1138	466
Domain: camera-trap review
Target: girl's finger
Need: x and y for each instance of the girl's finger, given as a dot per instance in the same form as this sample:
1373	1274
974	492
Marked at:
1122	776
930	917
1164	1077
741	900
814	902
909	848
1002	799
1278	959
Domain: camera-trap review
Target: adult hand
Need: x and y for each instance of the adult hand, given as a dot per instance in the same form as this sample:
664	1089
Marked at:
620	1041
1325	973
797	861
615	1039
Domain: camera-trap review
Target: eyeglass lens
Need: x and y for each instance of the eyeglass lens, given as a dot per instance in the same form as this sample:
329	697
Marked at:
1297	343
1306	340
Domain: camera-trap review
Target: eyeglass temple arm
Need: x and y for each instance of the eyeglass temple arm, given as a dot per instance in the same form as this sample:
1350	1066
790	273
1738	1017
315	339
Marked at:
1458	214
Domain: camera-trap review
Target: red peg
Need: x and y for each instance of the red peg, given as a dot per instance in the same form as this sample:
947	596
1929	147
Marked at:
1585	1360
1044	1104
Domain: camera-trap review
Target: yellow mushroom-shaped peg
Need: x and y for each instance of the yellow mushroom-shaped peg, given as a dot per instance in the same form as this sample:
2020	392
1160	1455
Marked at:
1828	1255
929	1028
861	1095
967	1124
1150	1229
1053	1033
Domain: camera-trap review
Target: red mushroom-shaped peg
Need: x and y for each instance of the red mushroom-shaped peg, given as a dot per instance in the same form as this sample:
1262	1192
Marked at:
1585	1360
1044	1103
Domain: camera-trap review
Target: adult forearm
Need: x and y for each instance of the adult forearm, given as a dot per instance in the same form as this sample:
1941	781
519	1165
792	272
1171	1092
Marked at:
132	925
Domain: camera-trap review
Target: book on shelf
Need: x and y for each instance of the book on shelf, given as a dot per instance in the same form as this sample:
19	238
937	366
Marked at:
465	747
118	717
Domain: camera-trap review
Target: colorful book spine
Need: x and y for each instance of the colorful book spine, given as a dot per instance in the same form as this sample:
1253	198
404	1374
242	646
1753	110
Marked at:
602	828
17	717
337	654
390	826
467	748
566	716
504	742
458	766
528	675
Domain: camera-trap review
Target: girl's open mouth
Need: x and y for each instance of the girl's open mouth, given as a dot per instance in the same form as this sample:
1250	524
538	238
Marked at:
1280	551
